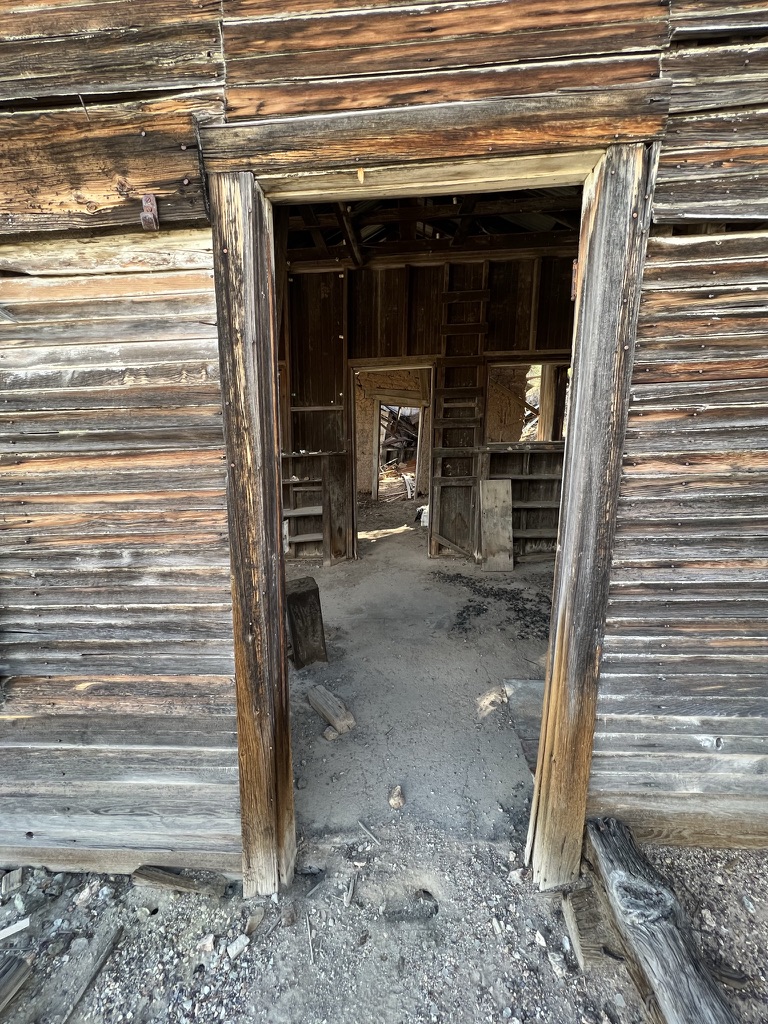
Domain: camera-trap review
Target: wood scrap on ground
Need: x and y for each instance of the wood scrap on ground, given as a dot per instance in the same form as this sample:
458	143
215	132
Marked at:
661	955
331	709
158	878
14	929
14	971
12	881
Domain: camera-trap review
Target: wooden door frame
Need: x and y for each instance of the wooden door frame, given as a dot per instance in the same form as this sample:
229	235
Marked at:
618	182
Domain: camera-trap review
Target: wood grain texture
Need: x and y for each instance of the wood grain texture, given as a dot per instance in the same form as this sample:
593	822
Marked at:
384	39
361	91
116	620
713	167
683	705
716	77
614	225
656	938
85	253
149	57
245	288
528	124
692	19
82	168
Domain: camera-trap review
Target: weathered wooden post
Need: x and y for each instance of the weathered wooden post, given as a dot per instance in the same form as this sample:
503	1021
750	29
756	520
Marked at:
245	299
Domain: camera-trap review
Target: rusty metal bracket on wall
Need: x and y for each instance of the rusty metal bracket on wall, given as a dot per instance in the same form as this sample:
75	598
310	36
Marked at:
149	218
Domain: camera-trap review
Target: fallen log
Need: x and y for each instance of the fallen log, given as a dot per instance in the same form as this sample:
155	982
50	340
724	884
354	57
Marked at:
656	938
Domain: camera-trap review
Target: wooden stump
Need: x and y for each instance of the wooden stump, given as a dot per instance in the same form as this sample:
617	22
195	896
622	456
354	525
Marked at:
305	622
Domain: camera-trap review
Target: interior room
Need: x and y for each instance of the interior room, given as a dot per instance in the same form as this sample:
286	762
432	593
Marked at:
424	391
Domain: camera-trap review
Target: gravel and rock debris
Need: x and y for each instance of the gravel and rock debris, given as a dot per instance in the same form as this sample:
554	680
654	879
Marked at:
435	931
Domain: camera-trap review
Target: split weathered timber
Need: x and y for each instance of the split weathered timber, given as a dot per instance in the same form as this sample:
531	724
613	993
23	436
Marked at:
276	98
655	935
245	290
589	927
329	707
614	226
157	878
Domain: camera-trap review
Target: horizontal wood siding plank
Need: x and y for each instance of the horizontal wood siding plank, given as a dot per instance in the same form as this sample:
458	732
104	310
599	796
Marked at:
717	77
69	167
701	18
528	124
429	37
362	91
183	55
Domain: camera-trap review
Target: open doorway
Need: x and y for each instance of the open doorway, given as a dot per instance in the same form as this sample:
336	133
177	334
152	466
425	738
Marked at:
611	246
455	329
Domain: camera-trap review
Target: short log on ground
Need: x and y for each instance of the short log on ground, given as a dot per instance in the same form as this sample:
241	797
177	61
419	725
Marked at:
331	709
657	943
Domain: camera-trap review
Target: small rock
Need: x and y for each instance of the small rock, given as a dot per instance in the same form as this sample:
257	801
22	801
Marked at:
206	944
540	940
84	897
496	925
396	798
301	782
330	733
516	876
19	903
748	904
618	1000
254	921
59	945
238	947
557	960
290	914
143	914
708	920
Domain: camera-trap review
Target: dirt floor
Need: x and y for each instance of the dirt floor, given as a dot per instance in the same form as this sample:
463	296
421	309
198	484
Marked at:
422	915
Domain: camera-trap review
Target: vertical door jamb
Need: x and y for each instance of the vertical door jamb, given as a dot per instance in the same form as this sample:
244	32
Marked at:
244	264
614	230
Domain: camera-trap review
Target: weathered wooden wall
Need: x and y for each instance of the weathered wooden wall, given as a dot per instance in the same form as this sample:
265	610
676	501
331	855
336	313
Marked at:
714	162
116	611
680	747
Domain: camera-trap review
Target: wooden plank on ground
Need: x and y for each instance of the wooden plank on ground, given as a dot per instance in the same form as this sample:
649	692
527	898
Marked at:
496	525
329	707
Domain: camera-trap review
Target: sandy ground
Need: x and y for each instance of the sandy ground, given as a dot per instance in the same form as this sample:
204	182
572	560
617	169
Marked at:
434	920
418	650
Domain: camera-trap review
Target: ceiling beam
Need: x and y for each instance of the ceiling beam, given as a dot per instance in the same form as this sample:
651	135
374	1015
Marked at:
350	235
